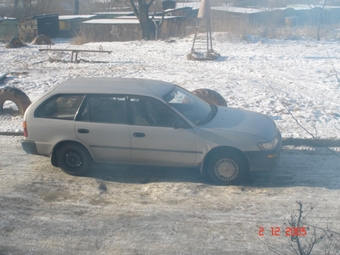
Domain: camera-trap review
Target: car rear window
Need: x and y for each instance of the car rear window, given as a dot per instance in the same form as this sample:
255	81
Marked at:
60	107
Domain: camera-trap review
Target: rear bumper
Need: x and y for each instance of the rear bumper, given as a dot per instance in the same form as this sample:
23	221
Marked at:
264	160
29	147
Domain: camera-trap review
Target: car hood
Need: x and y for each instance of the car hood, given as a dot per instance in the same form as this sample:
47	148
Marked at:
243	122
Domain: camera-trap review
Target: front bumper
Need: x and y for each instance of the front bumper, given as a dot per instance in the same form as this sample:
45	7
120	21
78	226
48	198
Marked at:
29	147
264	160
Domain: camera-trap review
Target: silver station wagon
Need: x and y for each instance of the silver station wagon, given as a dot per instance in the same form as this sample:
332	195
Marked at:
147	122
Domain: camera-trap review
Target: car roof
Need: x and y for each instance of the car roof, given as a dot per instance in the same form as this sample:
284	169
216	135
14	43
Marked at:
107	85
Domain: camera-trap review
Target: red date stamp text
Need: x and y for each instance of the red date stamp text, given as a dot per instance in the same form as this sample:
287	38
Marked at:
289	231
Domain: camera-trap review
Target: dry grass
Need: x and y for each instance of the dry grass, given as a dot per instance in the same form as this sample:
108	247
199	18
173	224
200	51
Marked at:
81	39
5	39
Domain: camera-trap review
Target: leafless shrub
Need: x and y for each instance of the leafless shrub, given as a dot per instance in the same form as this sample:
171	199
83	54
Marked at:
303	237
82	37
79	39
5	38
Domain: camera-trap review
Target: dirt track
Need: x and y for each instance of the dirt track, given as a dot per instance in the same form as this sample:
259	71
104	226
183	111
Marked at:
142	210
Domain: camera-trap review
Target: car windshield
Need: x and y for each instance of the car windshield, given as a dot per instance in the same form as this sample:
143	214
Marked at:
192	107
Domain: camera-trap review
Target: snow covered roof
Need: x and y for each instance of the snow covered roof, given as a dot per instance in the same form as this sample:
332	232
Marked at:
150	16
245	10
7	18
193	5
196	5
112	21
123	20
308	7
68	17
169	17
238	9
126	17
114	13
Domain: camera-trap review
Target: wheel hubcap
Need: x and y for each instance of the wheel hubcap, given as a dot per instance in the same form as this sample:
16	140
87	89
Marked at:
73	159
226	169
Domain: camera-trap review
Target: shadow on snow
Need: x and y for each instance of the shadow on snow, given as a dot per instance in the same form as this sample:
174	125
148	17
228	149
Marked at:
296	168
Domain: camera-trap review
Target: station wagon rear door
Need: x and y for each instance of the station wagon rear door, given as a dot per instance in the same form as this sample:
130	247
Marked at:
101	124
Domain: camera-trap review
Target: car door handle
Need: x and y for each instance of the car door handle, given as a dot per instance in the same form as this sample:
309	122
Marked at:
138	134
83	131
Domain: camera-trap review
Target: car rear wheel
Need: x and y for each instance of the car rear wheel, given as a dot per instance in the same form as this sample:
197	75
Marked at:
74	159
226	168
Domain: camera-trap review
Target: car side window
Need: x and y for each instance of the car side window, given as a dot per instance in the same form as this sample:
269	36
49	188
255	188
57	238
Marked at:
104	109
60	107
151	112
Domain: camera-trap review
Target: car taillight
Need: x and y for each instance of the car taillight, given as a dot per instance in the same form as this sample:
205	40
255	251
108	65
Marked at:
25	128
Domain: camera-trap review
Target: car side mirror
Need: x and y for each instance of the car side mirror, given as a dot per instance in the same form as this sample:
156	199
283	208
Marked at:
179	124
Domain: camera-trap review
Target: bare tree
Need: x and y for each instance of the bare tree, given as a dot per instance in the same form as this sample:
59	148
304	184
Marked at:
76	7
319	14
141	10
304	237
16	3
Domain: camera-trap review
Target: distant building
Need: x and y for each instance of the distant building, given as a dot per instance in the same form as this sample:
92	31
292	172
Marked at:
115	27
107	30
8	27
37	25
69	25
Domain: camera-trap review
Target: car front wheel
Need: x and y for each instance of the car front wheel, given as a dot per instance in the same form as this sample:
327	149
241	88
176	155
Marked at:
74	159
226	168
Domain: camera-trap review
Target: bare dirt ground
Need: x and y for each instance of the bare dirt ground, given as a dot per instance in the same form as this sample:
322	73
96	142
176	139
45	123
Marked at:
142	210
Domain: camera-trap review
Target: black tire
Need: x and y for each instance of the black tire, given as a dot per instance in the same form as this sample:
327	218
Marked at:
226	168
19	98
42	39
74	159
210	96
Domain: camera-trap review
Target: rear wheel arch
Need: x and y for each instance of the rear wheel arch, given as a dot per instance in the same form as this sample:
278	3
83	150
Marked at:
54	160
73	158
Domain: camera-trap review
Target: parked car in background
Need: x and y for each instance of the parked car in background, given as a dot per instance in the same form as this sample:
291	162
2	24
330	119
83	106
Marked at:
147	122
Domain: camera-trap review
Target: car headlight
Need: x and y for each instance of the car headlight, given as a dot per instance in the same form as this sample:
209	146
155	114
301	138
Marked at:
268	146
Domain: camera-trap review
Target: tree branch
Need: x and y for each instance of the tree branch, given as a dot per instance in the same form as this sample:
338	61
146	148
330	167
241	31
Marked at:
135	10
271	248
149	4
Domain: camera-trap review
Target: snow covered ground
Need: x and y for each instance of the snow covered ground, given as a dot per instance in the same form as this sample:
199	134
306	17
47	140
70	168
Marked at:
263	75
142	210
